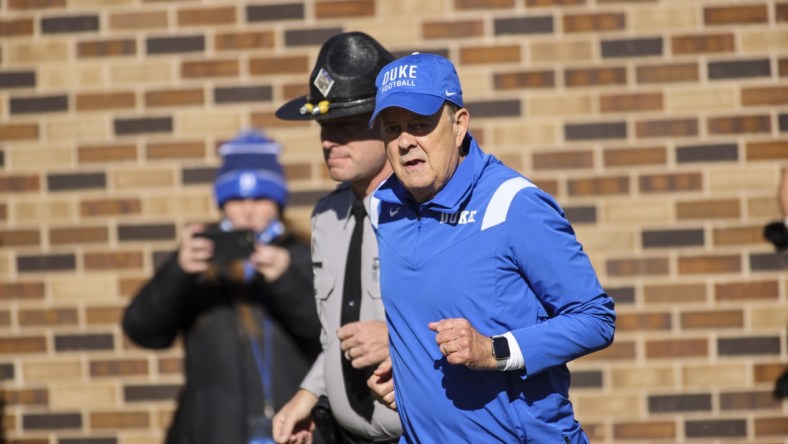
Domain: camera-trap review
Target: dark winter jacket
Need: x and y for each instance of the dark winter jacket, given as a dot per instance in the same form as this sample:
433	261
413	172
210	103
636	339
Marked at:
222	388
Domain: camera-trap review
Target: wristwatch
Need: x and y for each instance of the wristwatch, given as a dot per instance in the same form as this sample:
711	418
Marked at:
500	350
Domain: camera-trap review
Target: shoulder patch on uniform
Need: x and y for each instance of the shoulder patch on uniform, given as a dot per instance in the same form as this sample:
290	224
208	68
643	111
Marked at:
501	200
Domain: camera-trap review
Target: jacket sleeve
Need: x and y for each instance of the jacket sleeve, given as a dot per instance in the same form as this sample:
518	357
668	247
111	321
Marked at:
580	316
292	300
155	315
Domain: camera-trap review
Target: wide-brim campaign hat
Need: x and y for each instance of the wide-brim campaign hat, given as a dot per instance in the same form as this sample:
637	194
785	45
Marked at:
342	82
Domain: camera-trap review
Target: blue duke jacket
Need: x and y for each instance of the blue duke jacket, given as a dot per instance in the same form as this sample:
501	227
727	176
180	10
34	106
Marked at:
492	248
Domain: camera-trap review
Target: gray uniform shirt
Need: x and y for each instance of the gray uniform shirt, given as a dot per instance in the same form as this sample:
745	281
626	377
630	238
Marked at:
332	226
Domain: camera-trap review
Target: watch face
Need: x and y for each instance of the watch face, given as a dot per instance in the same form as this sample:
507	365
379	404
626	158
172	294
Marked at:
500	347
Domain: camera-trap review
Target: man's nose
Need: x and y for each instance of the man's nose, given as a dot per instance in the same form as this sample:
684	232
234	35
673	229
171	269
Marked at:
406	141
327	143
330	138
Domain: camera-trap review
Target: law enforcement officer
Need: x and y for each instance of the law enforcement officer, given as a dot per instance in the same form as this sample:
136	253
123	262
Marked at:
344	249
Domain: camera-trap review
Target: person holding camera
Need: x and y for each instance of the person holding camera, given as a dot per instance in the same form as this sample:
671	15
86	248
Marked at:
240	296
344	251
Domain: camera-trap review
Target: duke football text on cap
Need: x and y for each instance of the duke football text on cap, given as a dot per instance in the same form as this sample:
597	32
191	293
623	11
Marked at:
419	83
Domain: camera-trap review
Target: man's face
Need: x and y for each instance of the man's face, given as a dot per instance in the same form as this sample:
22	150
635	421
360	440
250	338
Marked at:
250	214
352	150
423	150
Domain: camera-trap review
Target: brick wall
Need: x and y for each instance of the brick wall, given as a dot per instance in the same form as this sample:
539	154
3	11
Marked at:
660	126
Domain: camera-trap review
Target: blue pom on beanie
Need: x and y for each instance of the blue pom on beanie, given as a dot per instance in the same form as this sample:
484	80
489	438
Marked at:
250	170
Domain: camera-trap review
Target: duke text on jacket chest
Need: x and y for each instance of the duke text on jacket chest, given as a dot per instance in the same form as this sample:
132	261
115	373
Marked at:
459	218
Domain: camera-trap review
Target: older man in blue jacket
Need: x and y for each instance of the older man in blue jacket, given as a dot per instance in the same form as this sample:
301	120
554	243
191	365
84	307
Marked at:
488	294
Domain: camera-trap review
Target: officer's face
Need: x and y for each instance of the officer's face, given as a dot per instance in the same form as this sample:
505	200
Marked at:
424	151
353	152
250	214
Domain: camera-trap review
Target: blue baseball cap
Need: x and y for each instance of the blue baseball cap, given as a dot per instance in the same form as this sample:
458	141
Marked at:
419	83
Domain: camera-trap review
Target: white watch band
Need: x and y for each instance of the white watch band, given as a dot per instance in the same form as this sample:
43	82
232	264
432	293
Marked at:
516	360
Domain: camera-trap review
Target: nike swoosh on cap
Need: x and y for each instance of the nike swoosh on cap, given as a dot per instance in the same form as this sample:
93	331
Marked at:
449	94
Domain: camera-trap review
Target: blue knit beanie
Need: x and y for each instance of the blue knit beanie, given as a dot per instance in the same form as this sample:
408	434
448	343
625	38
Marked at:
250	170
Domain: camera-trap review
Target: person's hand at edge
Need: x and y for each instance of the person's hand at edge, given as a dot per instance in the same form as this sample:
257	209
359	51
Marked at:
381	384
293	422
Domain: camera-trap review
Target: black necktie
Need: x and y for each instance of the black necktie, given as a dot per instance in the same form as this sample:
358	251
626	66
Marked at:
355	379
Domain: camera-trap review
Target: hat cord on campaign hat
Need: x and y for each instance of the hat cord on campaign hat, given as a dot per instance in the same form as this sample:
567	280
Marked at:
323	106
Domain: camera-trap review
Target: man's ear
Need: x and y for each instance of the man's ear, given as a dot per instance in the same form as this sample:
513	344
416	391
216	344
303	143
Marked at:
461	120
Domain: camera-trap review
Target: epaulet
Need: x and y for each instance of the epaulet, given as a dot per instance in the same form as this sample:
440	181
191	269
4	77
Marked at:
501	200
340	188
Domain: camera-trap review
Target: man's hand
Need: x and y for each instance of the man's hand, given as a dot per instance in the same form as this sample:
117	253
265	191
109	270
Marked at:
381	384
293	422
462	344
364	343
195	253
270	261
